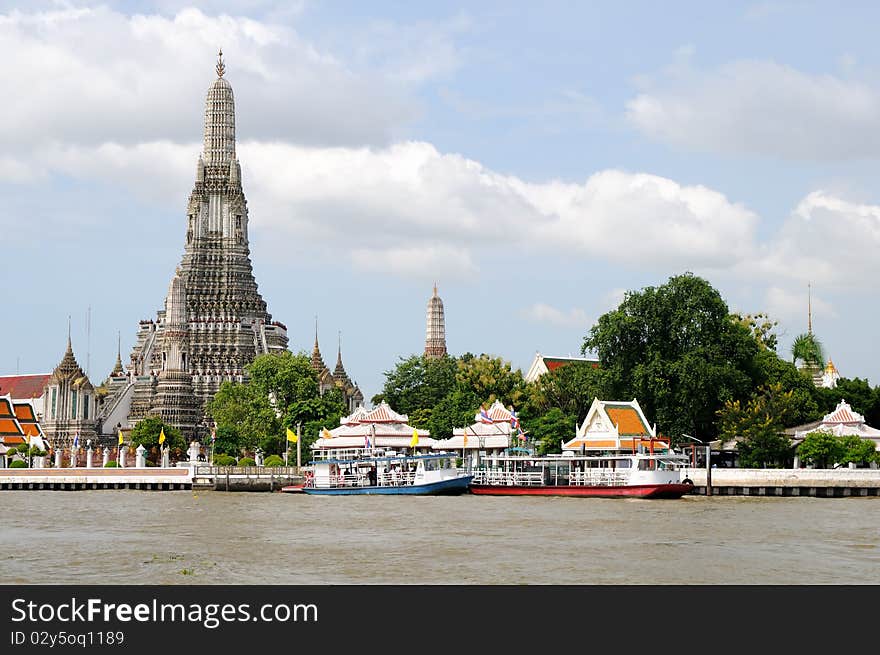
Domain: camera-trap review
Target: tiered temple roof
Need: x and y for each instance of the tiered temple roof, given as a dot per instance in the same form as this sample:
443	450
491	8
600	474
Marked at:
389	428
614	425
843	421
11	431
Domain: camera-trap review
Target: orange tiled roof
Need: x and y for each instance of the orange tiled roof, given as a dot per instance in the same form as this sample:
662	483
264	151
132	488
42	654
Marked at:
10	427
6	410
627	420
24	412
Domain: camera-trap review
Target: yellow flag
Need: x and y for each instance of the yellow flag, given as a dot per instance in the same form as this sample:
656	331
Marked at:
465	441
326	433
161	436
291	435
121	439
415	440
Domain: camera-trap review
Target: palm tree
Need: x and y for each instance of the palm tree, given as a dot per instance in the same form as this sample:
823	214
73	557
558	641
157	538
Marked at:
807	349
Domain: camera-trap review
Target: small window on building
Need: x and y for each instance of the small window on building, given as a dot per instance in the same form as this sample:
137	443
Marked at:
86	406
54	399
73	399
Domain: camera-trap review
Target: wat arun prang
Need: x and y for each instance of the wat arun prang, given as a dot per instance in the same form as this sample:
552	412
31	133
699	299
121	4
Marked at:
214	322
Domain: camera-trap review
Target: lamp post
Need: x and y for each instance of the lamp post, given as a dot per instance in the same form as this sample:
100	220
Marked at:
708	462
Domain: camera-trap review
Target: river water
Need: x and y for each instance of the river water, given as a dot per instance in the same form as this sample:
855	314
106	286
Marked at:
136	537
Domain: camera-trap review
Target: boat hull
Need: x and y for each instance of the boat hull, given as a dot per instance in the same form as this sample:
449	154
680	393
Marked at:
674	490
444	487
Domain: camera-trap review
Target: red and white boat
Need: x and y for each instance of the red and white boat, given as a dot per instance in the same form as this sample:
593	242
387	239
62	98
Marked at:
615	454
639	475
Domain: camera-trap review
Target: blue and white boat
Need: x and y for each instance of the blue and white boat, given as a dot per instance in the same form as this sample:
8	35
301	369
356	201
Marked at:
386	474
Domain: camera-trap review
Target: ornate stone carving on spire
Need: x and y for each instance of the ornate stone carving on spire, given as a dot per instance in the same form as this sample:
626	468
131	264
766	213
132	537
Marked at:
219	121
435	331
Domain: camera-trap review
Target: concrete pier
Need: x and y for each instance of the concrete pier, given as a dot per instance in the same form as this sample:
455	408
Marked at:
821	483
69	479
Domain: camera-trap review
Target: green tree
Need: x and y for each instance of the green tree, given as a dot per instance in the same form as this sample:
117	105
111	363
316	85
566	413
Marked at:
773	371
245	414
761	327
676	349
858	451
570	388
822	449
284	378
757	426
807	349
456	410
549	429
146	432
490	378
228	441
418	383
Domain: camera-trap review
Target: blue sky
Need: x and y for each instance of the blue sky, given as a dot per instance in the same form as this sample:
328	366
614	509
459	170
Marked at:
536	161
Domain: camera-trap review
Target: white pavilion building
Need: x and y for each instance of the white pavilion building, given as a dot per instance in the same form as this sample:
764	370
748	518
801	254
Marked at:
842	422
379	428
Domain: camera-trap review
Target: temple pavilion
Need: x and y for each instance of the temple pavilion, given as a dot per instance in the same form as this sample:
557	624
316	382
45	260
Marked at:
615	425
380	427
842	422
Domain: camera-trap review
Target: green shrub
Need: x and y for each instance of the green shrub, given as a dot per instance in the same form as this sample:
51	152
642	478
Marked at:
247	461
111	464
273	460
21	448
224	460
18	464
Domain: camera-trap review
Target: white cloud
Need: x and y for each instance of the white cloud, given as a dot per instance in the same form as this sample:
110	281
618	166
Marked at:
542	313
827	240
427	262
792	306
409	198
87	76
759	107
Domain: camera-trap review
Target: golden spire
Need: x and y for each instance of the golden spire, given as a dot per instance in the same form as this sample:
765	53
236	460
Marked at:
221	67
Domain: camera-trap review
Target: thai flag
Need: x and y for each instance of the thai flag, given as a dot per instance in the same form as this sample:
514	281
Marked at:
367	442
484	415
76	440
514	420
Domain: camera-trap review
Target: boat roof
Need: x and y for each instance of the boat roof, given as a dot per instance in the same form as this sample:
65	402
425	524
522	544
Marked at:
383	458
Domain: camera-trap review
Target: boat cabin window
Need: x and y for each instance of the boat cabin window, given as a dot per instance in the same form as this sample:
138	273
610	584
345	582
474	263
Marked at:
647	464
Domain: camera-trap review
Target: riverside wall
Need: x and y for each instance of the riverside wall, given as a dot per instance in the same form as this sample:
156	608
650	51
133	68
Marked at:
825	483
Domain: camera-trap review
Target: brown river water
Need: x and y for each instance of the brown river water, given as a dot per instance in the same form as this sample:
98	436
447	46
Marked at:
137	537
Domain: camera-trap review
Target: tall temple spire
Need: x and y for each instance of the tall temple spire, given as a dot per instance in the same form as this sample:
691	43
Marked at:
809	309
435	329
214	322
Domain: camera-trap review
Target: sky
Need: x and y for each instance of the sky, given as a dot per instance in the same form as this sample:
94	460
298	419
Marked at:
535	160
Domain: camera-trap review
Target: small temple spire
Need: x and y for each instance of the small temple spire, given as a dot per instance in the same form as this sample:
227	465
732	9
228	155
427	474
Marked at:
317	360
221	67
339	351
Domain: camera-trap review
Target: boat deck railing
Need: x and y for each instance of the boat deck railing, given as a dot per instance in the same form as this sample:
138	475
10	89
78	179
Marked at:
500	477
399	479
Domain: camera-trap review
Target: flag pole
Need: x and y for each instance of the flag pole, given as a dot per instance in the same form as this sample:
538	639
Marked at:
298	449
